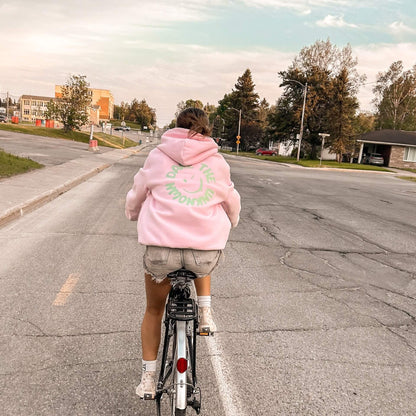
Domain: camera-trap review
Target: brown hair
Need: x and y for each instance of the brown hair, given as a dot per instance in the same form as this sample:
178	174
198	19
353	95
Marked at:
195	120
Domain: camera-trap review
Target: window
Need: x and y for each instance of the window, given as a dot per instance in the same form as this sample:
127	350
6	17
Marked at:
27	102
26	112
410	154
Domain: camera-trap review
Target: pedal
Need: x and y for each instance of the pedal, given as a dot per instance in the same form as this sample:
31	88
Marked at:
148	396
205	332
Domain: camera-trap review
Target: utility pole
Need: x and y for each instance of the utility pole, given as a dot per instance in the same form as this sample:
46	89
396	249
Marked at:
305	90
7	105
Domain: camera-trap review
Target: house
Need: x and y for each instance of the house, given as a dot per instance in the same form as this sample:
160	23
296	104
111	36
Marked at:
398	147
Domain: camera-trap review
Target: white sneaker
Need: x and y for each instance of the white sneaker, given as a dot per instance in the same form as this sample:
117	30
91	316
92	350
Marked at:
206	322
147	388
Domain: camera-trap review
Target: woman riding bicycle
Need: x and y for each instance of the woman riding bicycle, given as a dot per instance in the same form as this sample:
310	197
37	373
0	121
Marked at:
185	204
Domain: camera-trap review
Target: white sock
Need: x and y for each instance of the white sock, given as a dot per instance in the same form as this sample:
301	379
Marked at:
204	301
149	365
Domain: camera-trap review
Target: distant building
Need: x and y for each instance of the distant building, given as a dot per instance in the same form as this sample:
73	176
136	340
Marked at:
33	107
102	104
398	147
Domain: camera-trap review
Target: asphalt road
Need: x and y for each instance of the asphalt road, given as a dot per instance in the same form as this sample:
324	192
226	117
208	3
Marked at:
46	150
315	302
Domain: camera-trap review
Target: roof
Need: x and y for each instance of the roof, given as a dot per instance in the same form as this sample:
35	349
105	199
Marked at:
392	137
36	97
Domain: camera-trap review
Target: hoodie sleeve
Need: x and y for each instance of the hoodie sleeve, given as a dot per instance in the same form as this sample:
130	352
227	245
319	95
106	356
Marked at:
136	196
232	206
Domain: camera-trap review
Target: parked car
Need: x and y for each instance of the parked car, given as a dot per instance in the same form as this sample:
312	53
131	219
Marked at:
263	151
3	119
121	128
375	159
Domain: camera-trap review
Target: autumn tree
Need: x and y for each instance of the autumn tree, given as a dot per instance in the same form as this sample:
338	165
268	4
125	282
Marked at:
142	114
189	103
395	99
332	83
71	108
121	111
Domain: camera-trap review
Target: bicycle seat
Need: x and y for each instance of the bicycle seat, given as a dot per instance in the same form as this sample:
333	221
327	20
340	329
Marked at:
182	273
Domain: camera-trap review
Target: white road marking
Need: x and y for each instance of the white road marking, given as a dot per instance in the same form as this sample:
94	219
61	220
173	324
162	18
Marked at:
231	401
66	290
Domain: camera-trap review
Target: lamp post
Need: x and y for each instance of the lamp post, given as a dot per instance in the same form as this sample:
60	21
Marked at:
305	90
239	127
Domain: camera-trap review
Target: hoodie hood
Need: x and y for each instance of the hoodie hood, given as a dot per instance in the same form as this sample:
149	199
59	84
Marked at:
186	150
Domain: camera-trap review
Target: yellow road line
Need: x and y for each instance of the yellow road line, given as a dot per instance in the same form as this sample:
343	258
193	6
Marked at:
66	289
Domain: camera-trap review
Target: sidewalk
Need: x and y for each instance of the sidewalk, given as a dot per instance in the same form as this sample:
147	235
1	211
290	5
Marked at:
24	193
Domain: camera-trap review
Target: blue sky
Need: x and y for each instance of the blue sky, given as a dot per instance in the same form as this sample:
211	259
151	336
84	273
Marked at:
168	51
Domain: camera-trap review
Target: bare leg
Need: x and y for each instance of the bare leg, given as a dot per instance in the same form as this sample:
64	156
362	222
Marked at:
156	294
203	286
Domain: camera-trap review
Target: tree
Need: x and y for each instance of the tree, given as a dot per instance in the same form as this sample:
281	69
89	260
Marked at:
121	111
71	109
332	84
190	103
244	98
396	98
341	114
143	114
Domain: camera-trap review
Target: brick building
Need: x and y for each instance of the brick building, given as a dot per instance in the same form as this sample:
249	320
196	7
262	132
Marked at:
398	147
102	104
33	107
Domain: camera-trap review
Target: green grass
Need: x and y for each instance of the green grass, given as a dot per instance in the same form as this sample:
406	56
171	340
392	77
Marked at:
78	136
12	165
310	163
408	170
113	141
408	178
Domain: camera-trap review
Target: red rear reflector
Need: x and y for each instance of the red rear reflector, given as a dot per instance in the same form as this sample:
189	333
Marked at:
182	365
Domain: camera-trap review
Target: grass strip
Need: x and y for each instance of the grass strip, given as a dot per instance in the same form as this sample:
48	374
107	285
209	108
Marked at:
114	141
13	165
78	136
310	163
408	178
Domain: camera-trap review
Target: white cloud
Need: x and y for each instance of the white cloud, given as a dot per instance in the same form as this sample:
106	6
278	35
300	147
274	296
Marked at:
399	28
334	21
203	73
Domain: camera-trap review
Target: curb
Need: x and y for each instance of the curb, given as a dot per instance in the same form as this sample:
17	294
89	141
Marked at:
30	205
317	168
34	203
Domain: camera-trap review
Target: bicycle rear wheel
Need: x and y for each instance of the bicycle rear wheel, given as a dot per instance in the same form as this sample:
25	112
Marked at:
180	369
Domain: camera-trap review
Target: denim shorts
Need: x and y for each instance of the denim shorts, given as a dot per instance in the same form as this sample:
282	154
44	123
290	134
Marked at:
159	261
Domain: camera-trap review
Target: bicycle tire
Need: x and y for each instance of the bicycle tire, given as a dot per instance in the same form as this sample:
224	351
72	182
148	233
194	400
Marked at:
181	399
180	412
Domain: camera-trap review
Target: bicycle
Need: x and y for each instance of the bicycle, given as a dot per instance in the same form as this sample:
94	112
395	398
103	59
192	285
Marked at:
177	378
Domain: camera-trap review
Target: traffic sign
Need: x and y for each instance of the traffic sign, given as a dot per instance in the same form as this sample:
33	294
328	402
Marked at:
238	141
123	124
238	137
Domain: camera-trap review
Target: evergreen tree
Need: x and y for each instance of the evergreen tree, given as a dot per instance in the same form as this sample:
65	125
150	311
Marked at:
244	98
341	114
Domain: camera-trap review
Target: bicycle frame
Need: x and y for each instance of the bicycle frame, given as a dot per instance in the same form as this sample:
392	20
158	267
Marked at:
181	321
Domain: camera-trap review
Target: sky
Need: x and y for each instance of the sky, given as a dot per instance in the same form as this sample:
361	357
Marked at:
170	51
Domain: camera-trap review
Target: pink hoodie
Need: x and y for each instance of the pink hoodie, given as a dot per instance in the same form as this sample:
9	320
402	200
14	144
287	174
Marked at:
183	196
